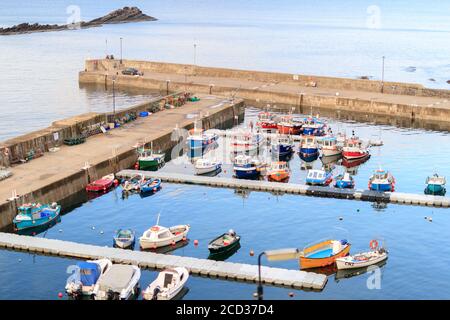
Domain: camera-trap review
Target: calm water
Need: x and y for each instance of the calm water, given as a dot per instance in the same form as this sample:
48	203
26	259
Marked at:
268	221
39	79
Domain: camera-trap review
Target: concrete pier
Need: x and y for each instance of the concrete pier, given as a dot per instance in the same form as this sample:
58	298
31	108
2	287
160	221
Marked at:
58	175
201	267
291	188
283	90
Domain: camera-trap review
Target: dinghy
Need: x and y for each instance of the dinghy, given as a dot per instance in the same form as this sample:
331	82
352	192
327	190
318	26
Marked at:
32	215
87	274
150	186
167	285
323	254
224	243
124	238
120	282
205	166
159	236
101	185
435	185
361	260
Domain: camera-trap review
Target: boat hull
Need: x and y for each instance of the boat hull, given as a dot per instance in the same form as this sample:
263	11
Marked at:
350	155
292	130
344	184
149	165
149	244
282	150
348	263
436	189
223	249
210	169
313	131
382	187
29	224
244	173
308	263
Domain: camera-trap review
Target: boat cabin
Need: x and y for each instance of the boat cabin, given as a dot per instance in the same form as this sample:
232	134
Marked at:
316	174
243	160
279	166
380	175
329	142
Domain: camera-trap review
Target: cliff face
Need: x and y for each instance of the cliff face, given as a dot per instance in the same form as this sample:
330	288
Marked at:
124	15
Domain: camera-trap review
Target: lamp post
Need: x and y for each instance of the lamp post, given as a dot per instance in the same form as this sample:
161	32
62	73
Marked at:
121	50
274	255
382	76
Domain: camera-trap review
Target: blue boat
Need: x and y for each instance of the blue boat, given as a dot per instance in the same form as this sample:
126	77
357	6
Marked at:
245	167
33	215
344	181
150	186
382	181
435	185
282	146
313	126
199	139
309	149
318	178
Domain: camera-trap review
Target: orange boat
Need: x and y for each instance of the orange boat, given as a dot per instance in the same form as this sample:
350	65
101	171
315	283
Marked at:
323	254
278	172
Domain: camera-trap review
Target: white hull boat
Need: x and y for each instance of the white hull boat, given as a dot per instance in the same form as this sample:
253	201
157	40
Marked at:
84	279
158	236
120	282
167	285
361	260
204	166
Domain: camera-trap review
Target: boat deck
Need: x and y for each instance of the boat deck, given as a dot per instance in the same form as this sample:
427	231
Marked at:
292	188
201	267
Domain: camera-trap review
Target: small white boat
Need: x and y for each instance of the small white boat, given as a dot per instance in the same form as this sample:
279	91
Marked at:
124	238
159	236
87	274
167	285
5	173
204	166
120	282
362	260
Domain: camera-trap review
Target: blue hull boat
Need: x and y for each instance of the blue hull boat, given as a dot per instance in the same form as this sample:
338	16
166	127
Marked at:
282	150
344	181
382	181
435	185
150	186
383	187
246	173
36	215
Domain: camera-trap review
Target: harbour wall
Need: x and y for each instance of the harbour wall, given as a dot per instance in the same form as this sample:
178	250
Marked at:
75	182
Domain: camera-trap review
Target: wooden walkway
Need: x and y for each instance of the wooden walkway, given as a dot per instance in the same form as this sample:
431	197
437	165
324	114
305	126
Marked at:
329	192
202	267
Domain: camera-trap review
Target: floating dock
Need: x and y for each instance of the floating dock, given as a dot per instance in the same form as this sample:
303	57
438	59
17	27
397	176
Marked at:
201	267
291	188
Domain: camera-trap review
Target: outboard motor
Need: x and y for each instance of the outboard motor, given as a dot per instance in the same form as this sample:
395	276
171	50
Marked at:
344	242
155	293
231	232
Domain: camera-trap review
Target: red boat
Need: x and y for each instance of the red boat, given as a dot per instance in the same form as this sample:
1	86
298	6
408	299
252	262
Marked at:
266	121
353	149
101	185
288	126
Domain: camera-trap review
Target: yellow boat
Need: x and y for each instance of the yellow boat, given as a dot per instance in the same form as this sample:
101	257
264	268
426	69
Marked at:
323	254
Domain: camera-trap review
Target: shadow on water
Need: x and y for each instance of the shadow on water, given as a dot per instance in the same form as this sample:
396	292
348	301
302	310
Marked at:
168	249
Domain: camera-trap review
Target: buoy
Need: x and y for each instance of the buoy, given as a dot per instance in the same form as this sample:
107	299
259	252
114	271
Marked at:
252	253
341	218
60	295
60	230
430	219
357	210
93	228
425	217
195	242
20	260
255	295
291	294
101	232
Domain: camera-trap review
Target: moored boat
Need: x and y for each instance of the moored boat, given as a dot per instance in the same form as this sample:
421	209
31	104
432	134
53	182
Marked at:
282	146
148	160
319	178
32	215
224	243
353	149
205	166
167	285
330	147
124	238
150	186
200	139
278	171
101	185
245	141
323	254
344	181
435	185
120	282
266	121
313	126
361	260
85	276
309	148
288	125
381	180
159	236
245	167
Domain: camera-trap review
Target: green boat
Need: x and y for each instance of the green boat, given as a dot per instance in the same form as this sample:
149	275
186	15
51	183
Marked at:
148	160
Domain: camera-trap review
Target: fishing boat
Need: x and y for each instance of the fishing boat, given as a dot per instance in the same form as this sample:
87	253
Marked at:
245	167
282	146
124	238
381	180
159	236
32	215
120	282
148	160
150	186
309	148
205	166
133	184
288	125
246	141
86	275
266	121
362	260
353	149
318	178
344	181
167	285
323	254
224	243
278	171
101	185
313	126
330	147
435	185
200	139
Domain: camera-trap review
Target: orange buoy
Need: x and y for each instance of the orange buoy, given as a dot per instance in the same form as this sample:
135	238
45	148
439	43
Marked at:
291	294
60	295
184	239
252	253
195	242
